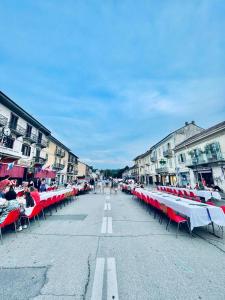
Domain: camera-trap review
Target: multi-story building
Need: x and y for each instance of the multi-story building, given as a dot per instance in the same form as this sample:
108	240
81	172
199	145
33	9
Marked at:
202	157
23	141
158	164
164	168
83	170
57	159
72	169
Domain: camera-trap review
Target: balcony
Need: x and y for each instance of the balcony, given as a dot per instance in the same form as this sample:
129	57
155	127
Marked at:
37	160
58	166
168	153
204	160
162	170
70	171
153	159
17	130
30	137
60	152
41	143
3	120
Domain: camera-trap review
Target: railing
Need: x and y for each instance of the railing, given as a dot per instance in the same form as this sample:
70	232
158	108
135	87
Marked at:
206	159
60	152
30	137
17	129
58	166
42	143
162	170
3	120
168	153
39	160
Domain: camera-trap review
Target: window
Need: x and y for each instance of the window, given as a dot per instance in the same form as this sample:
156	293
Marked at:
26	150
13	121
39	137
8	142
29	129
182	158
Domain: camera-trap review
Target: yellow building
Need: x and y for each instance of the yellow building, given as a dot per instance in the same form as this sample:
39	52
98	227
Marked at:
57	159
83	170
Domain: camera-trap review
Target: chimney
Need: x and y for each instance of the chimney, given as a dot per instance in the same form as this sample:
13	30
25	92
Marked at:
193	122
186	123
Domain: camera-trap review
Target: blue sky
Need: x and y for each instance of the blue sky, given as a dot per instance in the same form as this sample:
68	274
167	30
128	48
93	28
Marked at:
111	78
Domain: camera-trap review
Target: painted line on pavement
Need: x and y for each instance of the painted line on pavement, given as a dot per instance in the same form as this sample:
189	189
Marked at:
107	197
104	225
110	225
98	279
107	206
112	288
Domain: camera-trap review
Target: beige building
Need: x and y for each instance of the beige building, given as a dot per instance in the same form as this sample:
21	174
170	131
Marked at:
57	159
83	170
202	157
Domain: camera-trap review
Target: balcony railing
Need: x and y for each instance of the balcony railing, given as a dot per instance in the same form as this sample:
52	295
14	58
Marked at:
41	143
30	137
168	153
206	159
60	153
17	130
39	160
58	166
162	170
3	120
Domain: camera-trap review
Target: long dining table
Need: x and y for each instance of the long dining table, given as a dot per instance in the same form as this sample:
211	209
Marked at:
207	194
199	214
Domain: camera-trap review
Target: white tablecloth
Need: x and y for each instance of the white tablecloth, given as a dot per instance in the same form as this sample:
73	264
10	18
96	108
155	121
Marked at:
47	195
198	213
200	193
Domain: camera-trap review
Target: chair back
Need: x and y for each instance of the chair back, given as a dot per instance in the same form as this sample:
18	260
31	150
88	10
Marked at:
171	213
12	217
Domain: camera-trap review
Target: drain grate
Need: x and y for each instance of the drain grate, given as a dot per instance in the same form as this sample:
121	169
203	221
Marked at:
67	217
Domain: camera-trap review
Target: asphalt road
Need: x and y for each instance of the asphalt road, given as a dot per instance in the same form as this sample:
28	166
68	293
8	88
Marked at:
110	247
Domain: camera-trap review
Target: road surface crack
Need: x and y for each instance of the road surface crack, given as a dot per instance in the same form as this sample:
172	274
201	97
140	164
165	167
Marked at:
88	278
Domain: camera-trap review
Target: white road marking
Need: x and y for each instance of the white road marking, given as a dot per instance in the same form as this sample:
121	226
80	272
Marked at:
109	224
112	288
109	206
106	206
98	279
107	197
104	225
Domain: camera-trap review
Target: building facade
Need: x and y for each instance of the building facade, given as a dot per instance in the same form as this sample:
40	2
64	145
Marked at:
57	159
72	169
23	141
201	158
158	165
83	170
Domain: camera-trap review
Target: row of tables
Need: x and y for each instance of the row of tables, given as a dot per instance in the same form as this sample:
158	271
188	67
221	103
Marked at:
200	193
199	214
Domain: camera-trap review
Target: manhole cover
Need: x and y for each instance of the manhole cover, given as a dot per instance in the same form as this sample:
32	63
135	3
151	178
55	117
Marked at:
67	217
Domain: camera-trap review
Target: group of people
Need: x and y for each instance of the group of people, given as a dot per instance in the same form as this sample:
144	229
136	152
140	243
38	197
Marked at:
101	185
9	202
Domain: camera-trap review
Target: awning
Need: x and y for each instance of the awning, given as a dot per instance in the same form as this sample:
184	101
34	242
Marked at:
45	174
15	172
